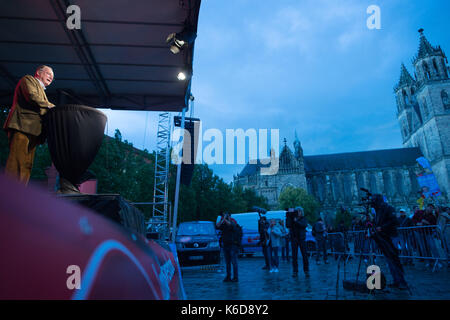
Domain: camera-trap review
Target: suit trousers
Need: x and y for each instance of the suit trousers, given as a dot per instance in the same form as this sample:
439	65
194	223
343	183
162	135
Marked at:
22	147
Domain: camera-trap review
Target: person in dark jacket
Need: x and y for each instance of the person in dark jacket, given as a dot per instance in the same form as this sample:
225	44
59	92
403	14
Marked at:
230	244
385	225
263	227
298	240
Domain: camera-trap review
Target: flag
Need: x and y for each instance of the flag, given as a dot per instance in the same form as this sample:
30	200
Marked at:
424	162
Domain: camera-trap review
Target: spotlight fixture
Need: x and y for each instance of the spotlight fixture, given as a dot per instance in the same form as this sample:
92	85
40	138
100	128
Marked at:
177	41
181	76
174	43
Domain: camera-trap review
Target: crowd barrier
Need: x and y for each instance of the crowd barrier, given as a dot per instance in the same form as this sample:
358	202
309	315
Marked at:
424	243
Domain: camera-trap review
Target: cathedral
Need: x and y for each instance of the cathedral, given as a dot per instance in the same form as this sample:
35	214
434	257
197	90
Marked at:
423	112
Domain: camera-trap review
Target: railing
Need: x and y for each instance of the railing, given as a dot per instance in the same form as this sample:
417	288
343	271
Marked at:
426	243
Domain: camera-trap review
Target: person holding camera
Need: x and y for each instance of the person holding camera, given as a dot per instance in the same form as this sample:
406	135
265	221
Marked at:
230	244
298	226
385	227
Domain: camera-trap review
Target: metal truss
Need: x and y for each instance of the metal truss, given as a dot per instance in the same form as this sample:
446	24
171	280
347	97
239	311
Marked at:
159	222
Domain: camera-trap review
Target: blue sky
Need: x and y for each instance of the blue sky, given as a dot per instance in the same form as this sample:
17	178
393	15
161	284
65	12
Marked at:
307	65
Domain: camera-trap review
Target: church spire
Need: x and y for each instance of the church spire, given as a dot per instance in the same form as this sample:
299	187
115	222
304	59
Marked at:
406	80
426	49
430	62
298	147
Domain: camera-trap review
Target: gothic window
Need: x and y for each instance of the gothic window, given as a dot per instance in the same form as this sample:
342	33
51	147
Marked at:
436	69
445	100
399	183
405	98
387	181
444	67
426	71
373	183
399	104
425	108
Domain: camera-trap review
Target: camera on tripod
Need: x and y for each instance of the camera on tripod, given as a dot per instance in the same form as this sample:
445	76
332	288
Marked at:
367	199
259	210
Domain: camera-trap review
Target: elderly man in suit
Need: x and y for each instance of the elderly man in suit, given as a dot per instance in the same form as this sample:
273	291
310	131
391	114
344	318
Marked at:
24	122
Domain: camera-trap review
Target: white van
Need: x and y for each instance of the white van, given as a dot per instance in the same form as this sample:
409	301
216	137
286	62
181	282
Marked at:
249	223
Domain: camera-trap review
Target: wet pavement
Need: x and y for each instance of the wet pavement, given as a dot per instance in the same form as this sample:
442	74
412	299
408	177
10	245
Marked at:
257	284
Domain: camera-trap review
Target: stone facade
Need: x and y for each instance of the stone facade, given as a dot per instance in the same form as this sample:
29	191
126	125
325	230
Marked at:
423	105
335	180
423	111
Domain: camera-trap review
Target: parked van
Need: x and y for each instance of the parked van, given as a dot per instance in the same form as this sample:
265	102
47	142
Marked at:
249	223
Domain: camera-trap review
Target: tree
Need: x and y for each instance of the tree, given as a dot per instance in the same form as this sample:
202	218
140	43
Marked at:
292	197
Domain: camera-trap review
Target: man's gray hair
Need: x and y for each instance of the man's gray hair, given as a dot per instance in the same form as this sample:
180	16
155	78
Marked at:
41	67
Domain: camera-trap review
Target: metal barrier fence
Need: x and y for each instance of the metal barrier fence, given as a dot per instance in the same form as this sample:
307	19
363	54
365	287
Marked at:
429	243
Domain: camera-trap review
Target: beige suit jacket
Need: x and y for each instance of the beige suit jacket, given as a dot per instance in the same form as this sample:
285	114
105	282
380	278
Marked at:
29	105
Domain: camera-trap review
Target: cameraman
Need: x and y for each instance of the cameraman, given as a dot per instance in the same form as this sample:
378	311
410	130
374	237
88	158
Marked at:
298	239
385	225
230	247
263	227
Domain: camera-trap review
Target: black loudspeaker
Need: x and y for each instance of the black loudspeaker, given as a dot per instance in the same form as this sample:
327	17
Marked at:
190	146
74	135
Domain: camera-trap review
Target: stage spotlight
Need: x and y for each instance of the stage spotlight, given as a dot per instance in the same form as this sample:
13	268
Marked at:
177	41
174	43
181	76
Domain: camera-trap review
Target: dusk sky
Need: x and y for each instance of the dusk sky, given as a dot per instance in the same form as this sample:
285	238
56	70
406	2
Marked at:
307	65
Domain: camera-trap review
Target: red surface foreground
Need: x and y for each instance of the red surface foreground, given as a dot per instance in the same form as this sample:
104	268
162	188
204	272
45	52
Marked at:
41	236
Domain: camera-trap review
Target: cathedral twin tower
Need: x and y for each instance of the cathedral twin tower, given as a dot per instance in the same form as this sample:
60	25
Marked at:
423	107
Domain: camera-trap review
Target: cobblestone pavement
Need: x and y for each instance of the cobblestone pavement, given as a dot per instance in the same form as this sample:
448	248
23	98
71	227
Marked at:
257	284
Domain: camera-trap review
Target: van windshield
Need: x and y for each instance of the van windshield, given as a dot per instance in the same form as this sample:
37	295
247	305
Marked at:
192	229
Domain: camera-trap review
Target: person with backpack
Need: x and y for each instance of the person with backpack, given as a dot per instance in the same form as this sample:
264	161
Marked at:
231	241
319	233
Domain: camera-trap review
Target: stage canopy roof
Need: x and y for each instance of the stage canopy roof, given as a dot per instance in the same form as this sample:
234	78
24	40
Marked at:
119	58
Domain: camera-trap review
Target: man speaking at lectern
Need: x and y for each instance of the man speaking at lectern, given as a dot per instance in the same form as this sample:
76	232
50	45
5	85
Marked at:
24	122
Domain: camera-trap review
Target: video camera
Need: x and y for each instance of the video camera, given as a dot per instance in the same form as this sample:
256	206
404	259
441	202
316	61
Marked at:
367	199
259	210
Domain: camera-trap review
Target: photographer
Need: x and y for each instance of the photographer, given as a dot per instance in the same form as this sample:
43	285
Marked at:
263	227
297	225
228	226
385	225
